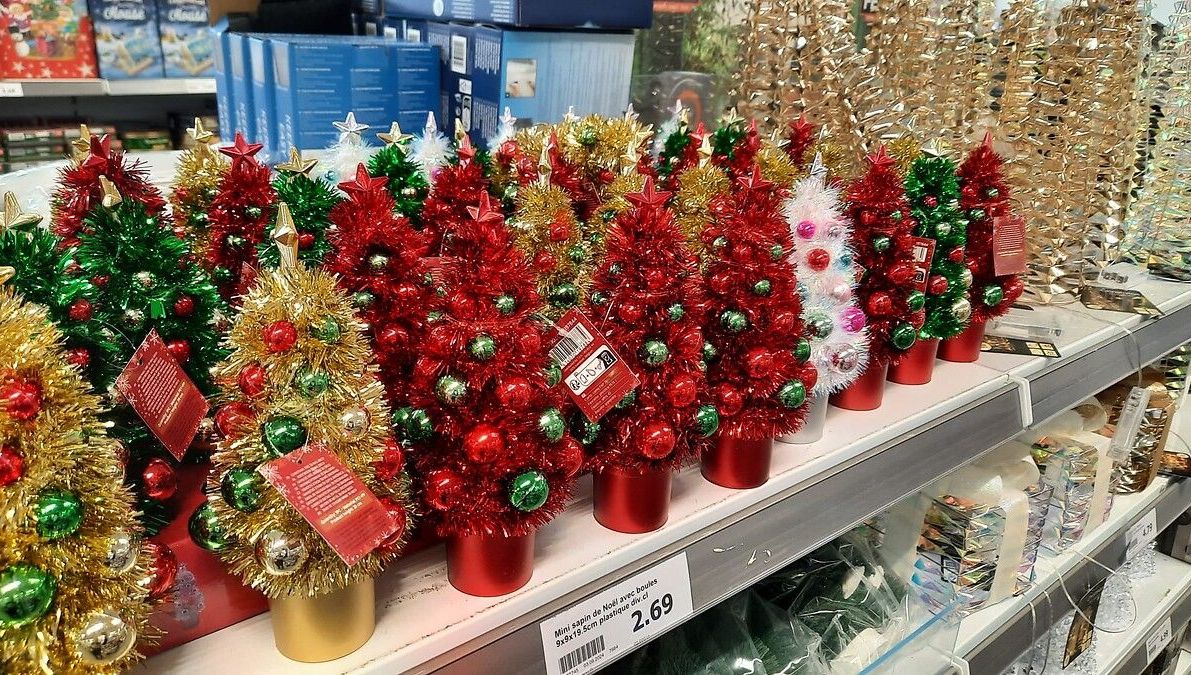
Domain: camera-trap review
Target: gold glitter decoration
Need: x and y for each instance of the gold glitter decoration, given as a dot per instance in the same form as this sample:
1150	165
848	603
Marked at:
195	185
545	225
775	165
614	202
697	188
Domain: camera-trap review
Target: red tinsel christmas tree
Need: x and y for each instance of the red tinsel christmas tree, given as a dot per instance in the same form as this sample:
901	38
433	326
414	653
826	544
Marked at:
649	302
378	257
735	145
488	437
800	137
757	361
79	190
453	189
241	216
984	197
882	238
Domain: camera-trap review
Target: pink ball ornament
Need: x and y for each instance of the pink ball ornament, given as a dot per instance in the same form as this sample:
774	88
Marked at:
852	319
805	229
841	292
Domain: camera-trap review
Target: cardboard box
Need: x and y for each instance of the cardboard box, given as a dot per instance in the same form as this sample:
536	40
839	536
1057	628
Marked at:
530	13
37	46
538	75
126	39
187	46
242	100
225	100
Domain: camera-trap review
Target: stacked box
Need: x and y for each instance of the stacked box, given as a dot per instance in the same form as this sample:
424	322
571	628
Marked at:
1071	469
958	552
43	47
225	100
242	100
620	14
187	46
23	148
126	39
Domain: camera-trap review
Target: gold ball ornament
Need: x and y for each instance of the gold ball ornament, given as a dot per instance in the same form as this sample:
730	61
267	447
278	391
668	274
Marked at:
280	554
104	639
122	552
354	422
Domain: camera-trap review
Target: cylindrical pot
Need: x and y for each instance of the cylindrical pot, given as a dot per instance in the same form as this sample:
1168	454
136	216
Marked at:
965	347
917	364
866	392
489	565
324	627
738	463
632	502
812	428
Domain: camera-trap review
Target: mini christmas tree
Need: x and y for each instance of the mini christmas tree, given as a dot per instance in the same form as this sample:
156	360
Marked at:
405	180
147	281
454	189
757	360
823	259
984	198
649	302
196	183
310	201
305	375
735	145
546	230
74	582
882	238
349	150
488	436
79	190
602	148
430	150
378	258
697	187
239	217
932	189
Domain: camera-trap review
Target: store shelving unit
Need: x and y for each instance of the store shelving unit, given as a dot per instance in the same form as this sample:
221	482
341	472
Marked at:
56	88
1164	596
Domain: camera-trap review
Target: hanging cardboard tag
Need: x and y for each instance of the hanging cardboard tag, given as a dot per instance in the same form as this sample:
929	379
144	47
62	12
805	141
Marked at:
332	499
593	373
923	250
163	395
1079	636
1009	245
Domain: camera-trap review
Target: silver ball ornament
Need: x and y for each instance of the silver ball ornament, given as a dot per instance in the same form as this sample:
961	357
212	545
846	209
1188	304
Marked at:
279	553
962	309
843	359
841	292
143	279
104	639
354	422
966	277
122	552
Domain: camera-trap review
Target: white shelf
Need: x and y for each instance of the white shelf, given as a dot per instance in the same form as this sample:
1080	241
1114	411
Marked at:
184	86
1159	597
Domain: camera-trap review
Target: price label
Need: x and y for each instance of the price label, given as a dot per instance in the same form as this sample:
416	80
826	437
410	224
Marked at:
1158	640
1141	534
589	635
11	89
199	85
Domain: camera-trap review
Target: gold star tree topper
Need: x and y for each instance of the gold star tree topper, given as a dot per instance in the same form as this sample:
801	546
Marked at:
14	217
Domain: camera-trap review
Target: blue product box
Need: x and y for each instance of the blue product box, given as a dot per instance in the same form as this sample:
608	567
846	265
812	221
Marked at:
126	39
224	100
260	59
186	44
617	14
244	112
533	73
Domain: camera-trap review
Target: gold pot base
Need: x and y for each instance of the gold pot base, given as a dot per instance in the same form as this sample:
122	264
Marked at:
325	627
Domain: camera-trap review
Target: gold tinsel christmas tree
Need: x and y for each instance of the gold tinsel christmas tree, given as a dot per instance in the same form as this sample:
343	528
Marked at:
196	182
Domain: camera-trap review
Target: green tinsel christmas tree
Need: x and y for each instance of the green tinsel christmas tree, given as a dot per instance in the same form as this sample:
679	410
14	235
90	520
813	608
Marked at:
406	183
310	200
933	191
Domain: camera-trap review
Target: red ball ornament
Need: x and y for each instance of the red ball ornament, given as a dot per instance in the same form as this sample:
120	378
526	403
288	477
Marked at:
391	337
20	398
689	344
100	280
163	569
438	342
305	240
442	489
514	393
868	218
560	230
280	336
81	310
160	479
484	443
462	305
80	357
956	255
730	399
406	292
234	419
810	376
391	462
630	312
570	457
73	267
901	274
818	259
930	201
937	285
508	149
252	380
184	306
179	349
759	363
12	465
879	304
545	261
657	440
682	390
783	321
720	282
400	517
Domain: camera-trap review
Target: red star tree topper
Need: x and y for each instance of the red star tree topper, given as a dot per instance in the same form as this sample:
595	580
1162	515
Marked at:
378	257
649	302
754	321
488	436
800	136
240	218
984	198
882	238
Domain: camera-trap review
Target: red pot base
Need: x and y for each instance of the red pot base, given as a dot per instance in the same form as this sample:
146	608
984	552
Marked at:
737	463
632	503
917	365
965	347
489	565
866	392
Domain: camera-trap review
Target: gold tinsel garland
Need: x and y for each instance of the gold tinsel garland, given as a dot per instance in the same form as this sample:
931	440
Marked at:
697	188
196	181
545	225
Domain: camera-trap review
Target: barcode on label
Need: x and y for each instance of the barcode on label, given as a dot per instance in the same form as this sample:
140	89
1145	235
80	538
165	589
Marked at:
580	656
573	341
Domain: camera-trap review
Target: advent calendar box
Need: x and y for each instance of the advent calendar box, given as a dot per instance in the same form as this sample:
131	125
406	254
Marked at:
126	39
40	40
186	43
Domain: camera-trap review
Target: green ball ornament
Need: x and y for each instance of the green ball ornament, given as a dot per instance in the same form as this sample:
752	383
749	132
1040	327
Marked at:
563	296
993	192
904	336
976	214
792	394
577	254
896	216
734	321
434	317
802	350
707	420
282	435
992	296
482	347
26	594
413	424
819	326
505	304
327	331
614	270
916	300
206	530
312	383
528	491
762	287
241	489
552	425
881	242
362	299
553	373
676	311
235	241
59	513
599	298
777	252
654	353
253	211
710	353
587	136
719	243
584	430
450	389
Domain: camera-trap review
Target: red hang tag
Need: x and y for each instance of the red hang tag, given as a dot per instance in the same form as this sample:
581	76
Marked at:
922	250
163	395
593	373
1009	245
332	499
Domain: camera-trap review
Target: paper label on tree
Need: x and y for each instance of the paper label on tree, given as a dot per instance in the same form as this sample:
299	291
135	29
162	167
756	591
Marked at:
592	372
1009	245
1079	636
332	499
923	251
1158	640
163	395
586	637
1141	534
